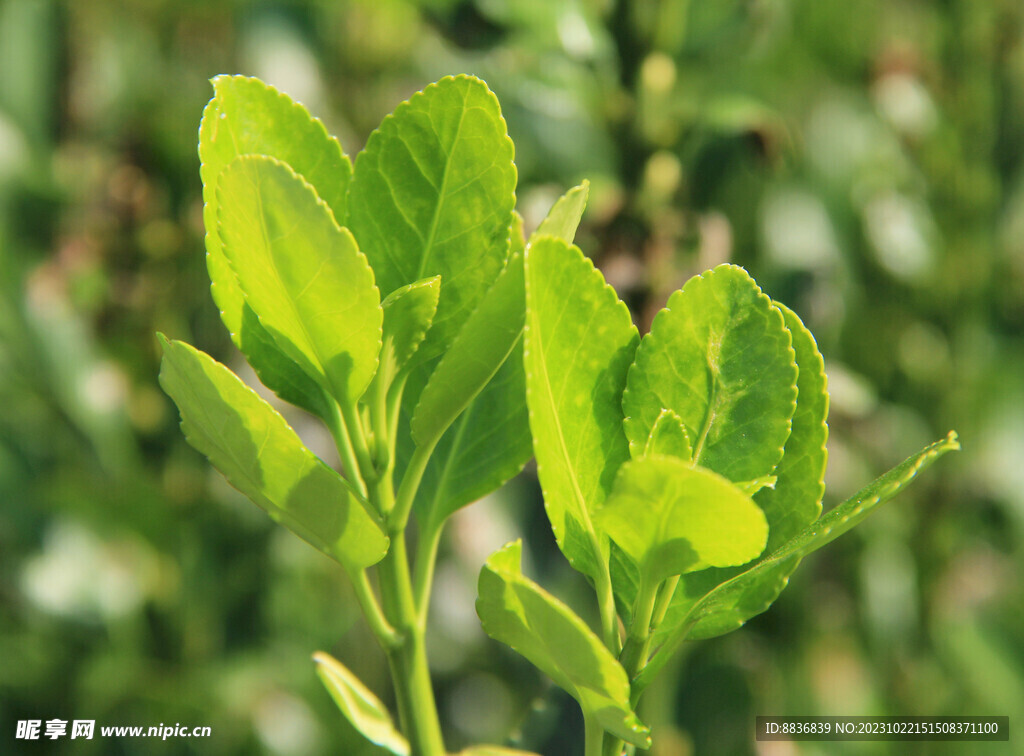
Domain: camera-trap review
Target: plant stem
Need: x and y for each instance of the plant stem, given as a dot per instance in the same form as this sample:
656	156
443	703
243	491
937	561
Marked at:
409	486
606	604
408	659
593	734
354	429
634	655
423	574
342	440
382	629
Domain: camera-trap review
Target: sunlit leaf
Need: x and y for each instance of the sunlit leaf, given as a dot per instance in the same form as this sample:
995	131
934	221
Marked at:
671	518
790	505
260	455
579	343
668	437
564	217
246	117
730	604
519	613
359	705
301	273
432	194
408	314
719	356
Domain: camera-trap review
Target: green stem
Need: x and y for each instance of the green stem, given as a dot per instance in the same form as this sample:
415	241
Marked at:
343	441
357	438
665	594
634	655
410	674
423	574
606	604
384	457
410	485
593	734
382	629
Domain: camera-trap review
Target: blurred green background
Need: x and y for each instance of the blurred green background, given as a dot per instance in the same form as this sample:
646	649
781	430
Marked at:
864	161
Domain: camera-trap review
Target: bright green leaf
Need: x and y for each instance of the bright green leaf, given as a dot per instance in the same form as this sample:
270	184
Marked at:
671	518
793	503
245	117
564	217
579	343
731	603
519	613
260	455
481	348
302	274
359	705
432	194
490	750
719	356
668	437
795	499
408	313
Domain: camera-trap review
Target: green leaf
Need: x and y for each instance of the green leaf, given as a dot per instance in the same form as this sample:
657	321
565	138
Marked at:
795	500
671	518
260	455
579	343
564	217
408	313
485	447
734	601
481	348
490	750
668	437
519	613
302	274
793	503
245	117
719	356
359	705
432	194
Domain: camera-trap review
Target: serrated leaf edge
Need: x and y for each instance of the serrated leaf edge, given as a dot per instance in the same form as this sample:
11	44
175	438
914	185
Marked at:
254	158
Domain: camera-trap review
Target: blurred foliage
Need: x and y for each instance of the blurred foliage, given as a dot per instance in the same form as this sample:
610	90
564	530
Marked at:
866	164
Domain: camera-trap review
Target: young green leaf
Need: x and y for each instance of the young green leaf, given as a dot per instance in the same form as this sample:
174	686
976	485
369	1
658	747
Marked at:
564	217
481	348
579	343
719	356
408	313
671	518
260	455
796	497
302	274
246	117
730	604
793	502
519	613
490	750
432	194
359	705
668	437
